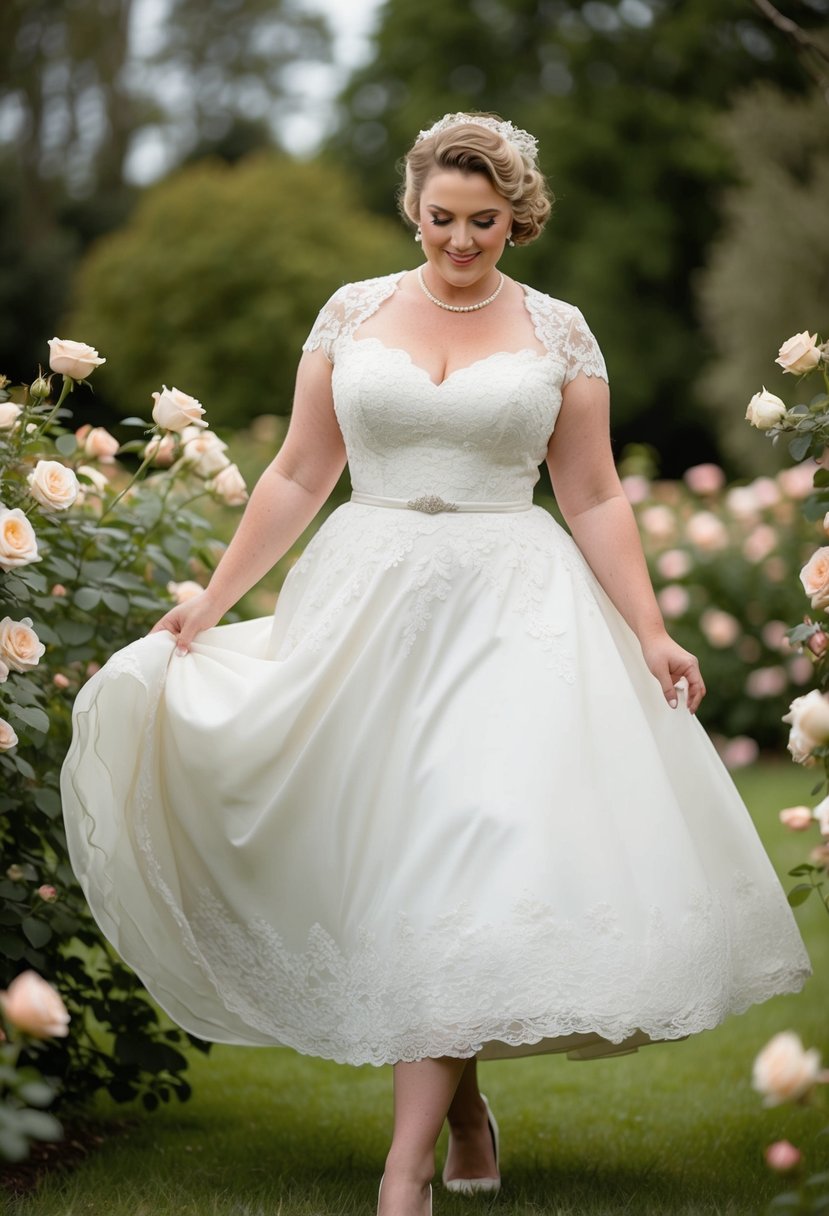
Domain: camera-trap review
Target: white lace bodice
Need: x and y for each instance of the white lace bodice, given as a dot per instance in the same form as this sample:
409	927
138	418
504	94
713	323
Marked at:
479	435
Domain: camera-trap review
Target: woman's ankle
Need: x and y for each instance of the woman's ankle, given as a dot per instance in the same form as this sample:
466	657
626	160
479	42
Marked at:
413	1165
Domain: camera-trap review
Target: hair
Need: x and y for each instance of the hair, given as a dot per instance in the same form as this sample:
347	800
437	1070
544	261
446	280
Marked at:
471	148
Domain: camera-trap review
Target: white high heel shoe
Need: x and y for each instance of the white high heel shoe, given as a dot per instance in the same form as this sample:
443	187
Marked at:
380	1191
479	1186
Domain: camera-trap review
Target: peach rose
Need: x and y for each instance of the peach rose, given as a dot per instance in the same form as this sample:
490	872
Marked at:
766	491
73	359
798	480
34	1007
658	522
8	739
174	410
20	646
204	452
229	486
815	578
636	488
161	450
799	354
760	543
673	563
58	591
18	543
706	531
783	1071
704	478
182	592
10	411
720	628
796	818
100	483
808	717
53	485
100	445
782	1156
4	672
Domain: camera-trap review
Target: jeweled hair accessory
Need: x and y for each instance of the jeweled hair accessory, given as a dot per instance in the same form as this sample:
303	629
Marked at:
526	144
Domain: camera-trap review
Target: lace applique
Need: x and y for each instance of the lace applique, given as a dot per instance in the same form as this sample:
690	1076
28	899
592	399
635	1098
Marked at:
349	1005
347	308
562	329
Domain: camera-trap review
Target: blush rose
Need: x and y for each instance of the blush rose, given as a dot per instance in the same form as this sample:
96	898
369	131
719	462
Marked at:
785	1072
20	647
18	543
799	354
53	485
174	410
73	359
35	1007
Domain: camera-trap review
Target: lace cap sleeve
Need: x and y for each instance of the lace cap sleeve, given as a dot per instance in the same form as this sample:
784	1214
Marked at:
347	309
582	351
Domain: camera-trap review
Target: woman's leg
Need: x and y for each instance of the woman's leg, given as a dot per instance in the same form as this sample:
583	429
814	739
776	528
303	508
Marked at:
423	1092
471	1151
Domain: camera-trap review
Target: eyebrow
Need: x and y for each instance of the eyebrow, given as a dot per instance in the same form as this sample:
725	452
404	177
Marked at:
485	211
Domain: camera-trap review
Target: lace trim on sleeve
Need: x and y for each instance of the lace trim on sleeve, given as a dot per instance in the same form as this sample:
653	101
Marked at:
347	308
566	334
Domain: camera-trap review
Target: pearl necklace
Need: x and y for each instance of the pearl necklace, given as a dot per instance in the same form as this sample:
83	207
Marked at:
458	307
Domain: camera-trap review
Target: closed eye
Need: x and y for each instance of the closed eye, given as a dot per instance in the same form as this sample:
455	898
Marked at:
477	223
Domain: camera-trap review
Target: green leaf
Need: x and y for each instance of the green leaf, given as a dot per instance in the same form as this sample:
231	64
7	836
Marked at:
38	933
12	946
87	598
32	716
802	869
117	602
36	1093
133	421
75	633
23	767
799	446
39	1125
13	1145
800	894
47	801
66	444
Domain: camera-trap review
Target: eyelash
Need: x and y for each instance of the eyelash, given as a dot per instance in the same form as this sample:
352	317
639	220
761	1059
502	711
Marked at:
477	223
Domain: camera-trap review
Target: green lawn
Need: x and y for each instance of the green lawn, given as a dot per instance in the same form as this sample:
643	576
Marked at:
675	1129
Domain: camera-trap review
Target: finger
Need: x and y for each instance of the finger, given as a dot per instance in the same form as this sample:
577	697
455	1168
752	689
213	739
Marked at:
668	688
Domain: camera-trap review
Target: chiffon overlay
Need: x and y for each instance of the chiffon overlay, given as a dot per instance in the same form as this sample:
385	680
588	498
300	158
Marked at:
437	804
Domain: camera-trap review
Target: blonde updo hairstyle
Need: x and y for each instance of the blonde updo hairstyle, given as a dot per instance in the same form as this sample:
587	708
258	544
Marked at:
477	149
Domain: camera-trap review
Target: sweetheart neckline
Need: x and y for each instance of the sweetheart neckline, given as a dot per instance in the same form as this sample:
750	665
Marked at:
399	350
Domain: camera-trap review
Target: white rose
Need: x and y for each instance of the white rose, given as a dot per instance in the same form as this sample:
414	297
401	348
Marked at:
18	543
765	410
815	578
35	1007
73	359
821	814
10	411
174	410
204	452
53	485
4	672
20	646
229	486
98	479
799	354
100	445
8	739
783	1071
182	592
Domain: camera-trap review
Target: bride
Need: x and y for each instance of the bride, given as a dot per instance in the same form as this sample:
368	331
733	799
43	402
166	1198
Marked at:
451	802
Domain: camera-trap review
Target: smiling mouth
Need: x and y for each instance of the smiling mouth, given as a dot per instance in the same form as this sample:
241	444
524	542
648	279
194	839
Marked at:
461	260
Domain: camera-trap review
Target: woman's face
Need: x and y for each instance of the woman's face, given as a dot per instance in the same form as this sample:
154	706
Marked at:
465	223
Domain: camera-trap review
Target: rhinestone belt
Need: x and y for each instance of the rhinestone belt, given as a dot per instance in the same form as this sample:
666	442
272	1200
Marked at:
432	504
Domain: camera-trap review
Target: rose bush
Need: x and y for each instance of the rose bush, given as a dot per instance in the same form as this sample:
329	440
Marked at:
93	529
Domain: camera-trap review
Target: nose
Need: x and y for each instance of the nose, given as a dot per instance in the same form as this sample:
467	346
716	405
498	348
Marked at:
462	239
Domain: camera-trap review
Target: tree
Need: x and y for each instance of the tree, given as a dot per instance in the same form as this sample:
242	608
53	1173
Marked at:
214	283
768	274
623	97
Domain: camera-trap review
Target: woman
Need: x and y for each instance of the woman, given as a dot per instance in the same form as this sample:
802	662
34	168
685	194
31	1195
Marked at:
452	800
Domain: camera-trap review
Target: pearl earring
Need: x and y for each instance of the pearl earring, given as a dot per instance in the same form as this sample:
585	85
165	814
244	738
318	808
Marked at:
510	241
418	234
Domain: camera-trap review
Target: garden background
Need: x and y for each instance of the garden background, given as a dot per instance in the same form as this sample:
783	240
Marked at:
688	146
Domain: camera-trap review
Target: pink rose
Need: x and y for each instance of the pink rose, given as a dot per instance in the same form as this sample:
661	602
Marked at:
73	359
818	642
819	856
100	445
658	522
34	1007
47	893
739	752
673	564
798	481
782	1156
706	531
799	354
636	488
673	601
60	680
759	543
59	591
720	628
203	452
796	818
161	450
8	739
704	478
766	682
783	1071
815	578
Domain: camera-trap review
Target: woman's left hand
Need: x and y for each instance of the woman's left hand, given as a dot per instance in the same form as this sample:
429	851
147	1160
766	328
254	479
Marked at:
669	662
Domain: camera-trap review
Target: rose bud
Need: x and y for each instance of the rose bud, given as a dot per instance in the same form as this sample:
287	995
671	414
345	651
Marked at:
782	1156
47	893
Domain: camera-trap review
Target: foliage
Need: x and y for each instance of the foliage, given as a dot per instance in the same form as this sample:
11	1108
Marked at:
623	98
258	246
774	219
93	574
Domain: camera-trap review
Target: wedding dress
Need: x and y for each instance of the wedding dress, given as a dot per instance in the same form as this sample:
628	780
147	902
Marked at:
437	804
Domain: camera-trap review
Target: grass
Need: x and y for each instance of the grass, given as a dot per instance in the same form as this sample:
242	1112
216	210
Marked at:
673	1130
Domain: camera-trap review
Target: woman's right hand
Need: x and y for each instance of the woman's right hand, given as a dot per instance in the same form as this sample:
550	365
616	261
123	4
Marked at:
185	620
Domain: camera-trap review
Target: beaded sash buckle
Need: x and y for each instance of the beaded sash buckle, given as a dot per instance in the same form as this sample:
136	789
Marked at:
432	504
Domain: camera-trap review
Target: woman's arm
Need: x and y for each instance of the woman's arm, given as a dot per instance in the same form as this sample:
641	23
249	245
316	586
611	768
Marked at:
599	516
285	499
